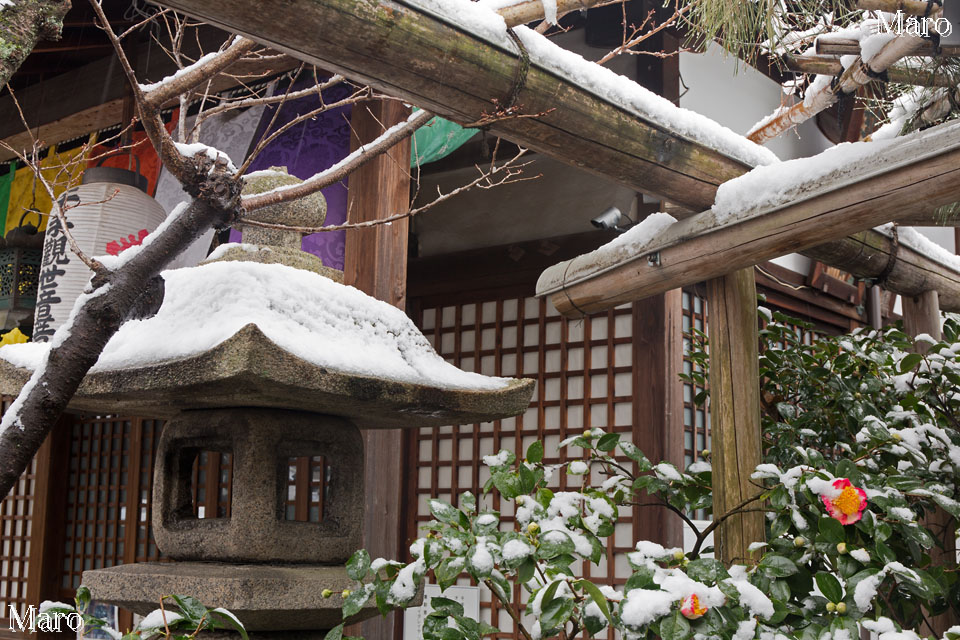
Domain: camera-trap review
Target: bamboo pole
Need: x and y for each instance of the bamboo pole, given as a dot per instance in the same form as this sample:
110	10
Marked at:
823	96
532	10
831	66
696	248
909	7
846	47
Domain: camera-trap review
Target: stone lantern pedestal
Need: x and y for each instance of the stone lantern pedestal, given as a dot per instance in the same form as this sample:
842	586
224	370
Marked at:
264	404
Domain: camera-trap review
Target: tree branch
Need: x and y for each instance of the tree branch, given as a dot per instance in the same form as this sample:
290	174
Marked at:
342	169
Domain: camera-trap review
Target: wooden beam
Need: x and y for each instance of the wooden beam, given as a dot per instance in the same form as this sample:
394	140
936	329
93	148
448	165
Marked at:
96	93
375	261
734	409
693	250
410	54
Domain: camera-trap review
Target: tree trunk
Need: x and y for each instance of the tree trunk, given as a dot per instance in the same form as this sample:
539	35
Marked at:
24	23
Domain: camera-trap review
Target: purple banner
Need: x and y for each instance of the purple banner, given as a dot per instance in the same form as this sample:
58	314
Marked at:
306	149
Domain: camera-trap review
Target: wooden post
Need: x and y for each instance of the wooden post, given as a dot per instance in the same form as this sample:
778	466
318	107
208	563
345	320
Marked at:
376	263
921	314
734	409
47	527
658	404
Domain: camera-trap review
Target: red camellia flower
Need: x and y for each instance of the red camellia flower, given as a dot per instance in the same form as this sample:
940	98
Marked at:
692	609
849	505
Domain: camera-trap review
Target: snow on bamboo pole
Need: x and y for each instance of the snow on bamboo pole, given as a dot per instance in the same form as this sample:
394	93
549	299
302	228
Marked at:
796	206
831	66
824	91
520	12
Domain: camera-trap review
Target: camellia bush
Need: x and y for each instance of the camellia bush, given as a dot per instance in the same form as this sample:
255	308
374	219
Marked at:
858	485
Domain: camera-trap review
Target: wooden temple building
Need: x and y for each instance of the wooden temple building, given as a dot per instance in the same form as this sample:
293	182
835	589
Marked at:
605	352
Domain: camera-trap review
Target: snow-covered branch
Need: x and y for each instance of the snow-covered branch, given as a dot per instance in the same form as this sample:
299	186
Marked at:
340	170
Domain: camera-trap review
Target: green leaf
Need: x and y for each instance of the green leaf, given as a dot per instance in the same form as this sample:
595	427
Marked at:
707	570
507	483
526	570
829	586
555	613
535	452
82	599
358	564
674	627
468	502
191	608
831	530
446	606
335	634
553	544
598	597
910	361
608	441
778	566
355	601
633	452
527	480
228	620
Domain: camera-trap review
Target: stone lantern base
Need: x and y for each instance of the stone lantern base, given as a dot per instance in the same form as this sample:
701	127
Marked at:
281	600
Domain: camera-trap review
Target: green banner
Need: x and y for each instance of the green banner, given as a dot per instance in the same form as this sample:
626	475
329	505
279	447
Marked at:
437	139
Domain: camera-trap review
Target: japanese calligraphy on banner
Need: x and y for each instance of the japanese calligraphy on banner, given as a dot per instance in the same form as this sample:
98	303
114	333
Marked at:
56	258
103	218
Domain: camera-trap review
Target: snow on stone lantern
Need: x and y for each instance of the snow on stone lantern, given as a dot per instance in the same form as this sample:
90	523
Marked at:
270	362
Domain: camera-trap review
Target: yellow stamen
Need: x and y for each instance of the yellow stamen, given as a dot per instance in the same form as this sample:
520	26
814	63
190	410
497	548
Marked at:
848	502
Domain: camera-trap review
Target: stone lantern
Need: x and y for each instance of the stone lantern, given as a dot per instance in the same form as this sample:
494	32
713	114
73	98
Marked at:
264	401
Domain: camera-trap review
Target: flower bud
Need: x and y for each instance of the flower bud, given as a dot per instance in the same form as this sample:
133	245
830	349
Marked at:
799	541
831	607
897	437
841	548
326	593
587	434
532	528
678	555
705	453
841	608
346	593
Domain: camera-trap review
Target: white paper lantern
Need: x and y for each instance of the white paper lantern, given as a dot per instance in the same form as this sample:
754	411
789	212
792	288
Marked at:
119	214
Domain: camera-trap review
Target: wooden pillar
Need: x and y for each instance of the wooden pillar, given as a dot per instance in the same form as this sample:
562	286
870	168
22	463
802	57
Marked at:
48	524
921	314
375	262
658	405
734	408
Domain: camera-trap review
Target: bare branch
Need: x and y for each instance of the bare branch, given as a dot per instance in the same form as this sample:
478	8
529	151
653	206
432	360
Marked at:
342	169
196	74
510	170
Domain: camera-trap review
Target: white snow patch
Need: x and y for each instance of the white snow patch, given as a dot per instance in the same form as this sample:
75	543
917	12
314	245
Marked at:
323	322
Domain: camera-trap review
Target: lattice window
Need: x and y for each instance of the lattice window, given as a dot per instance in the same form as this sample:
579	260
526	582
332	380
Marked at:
212	484
109	496
307	484
16	514
696	419
584	373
